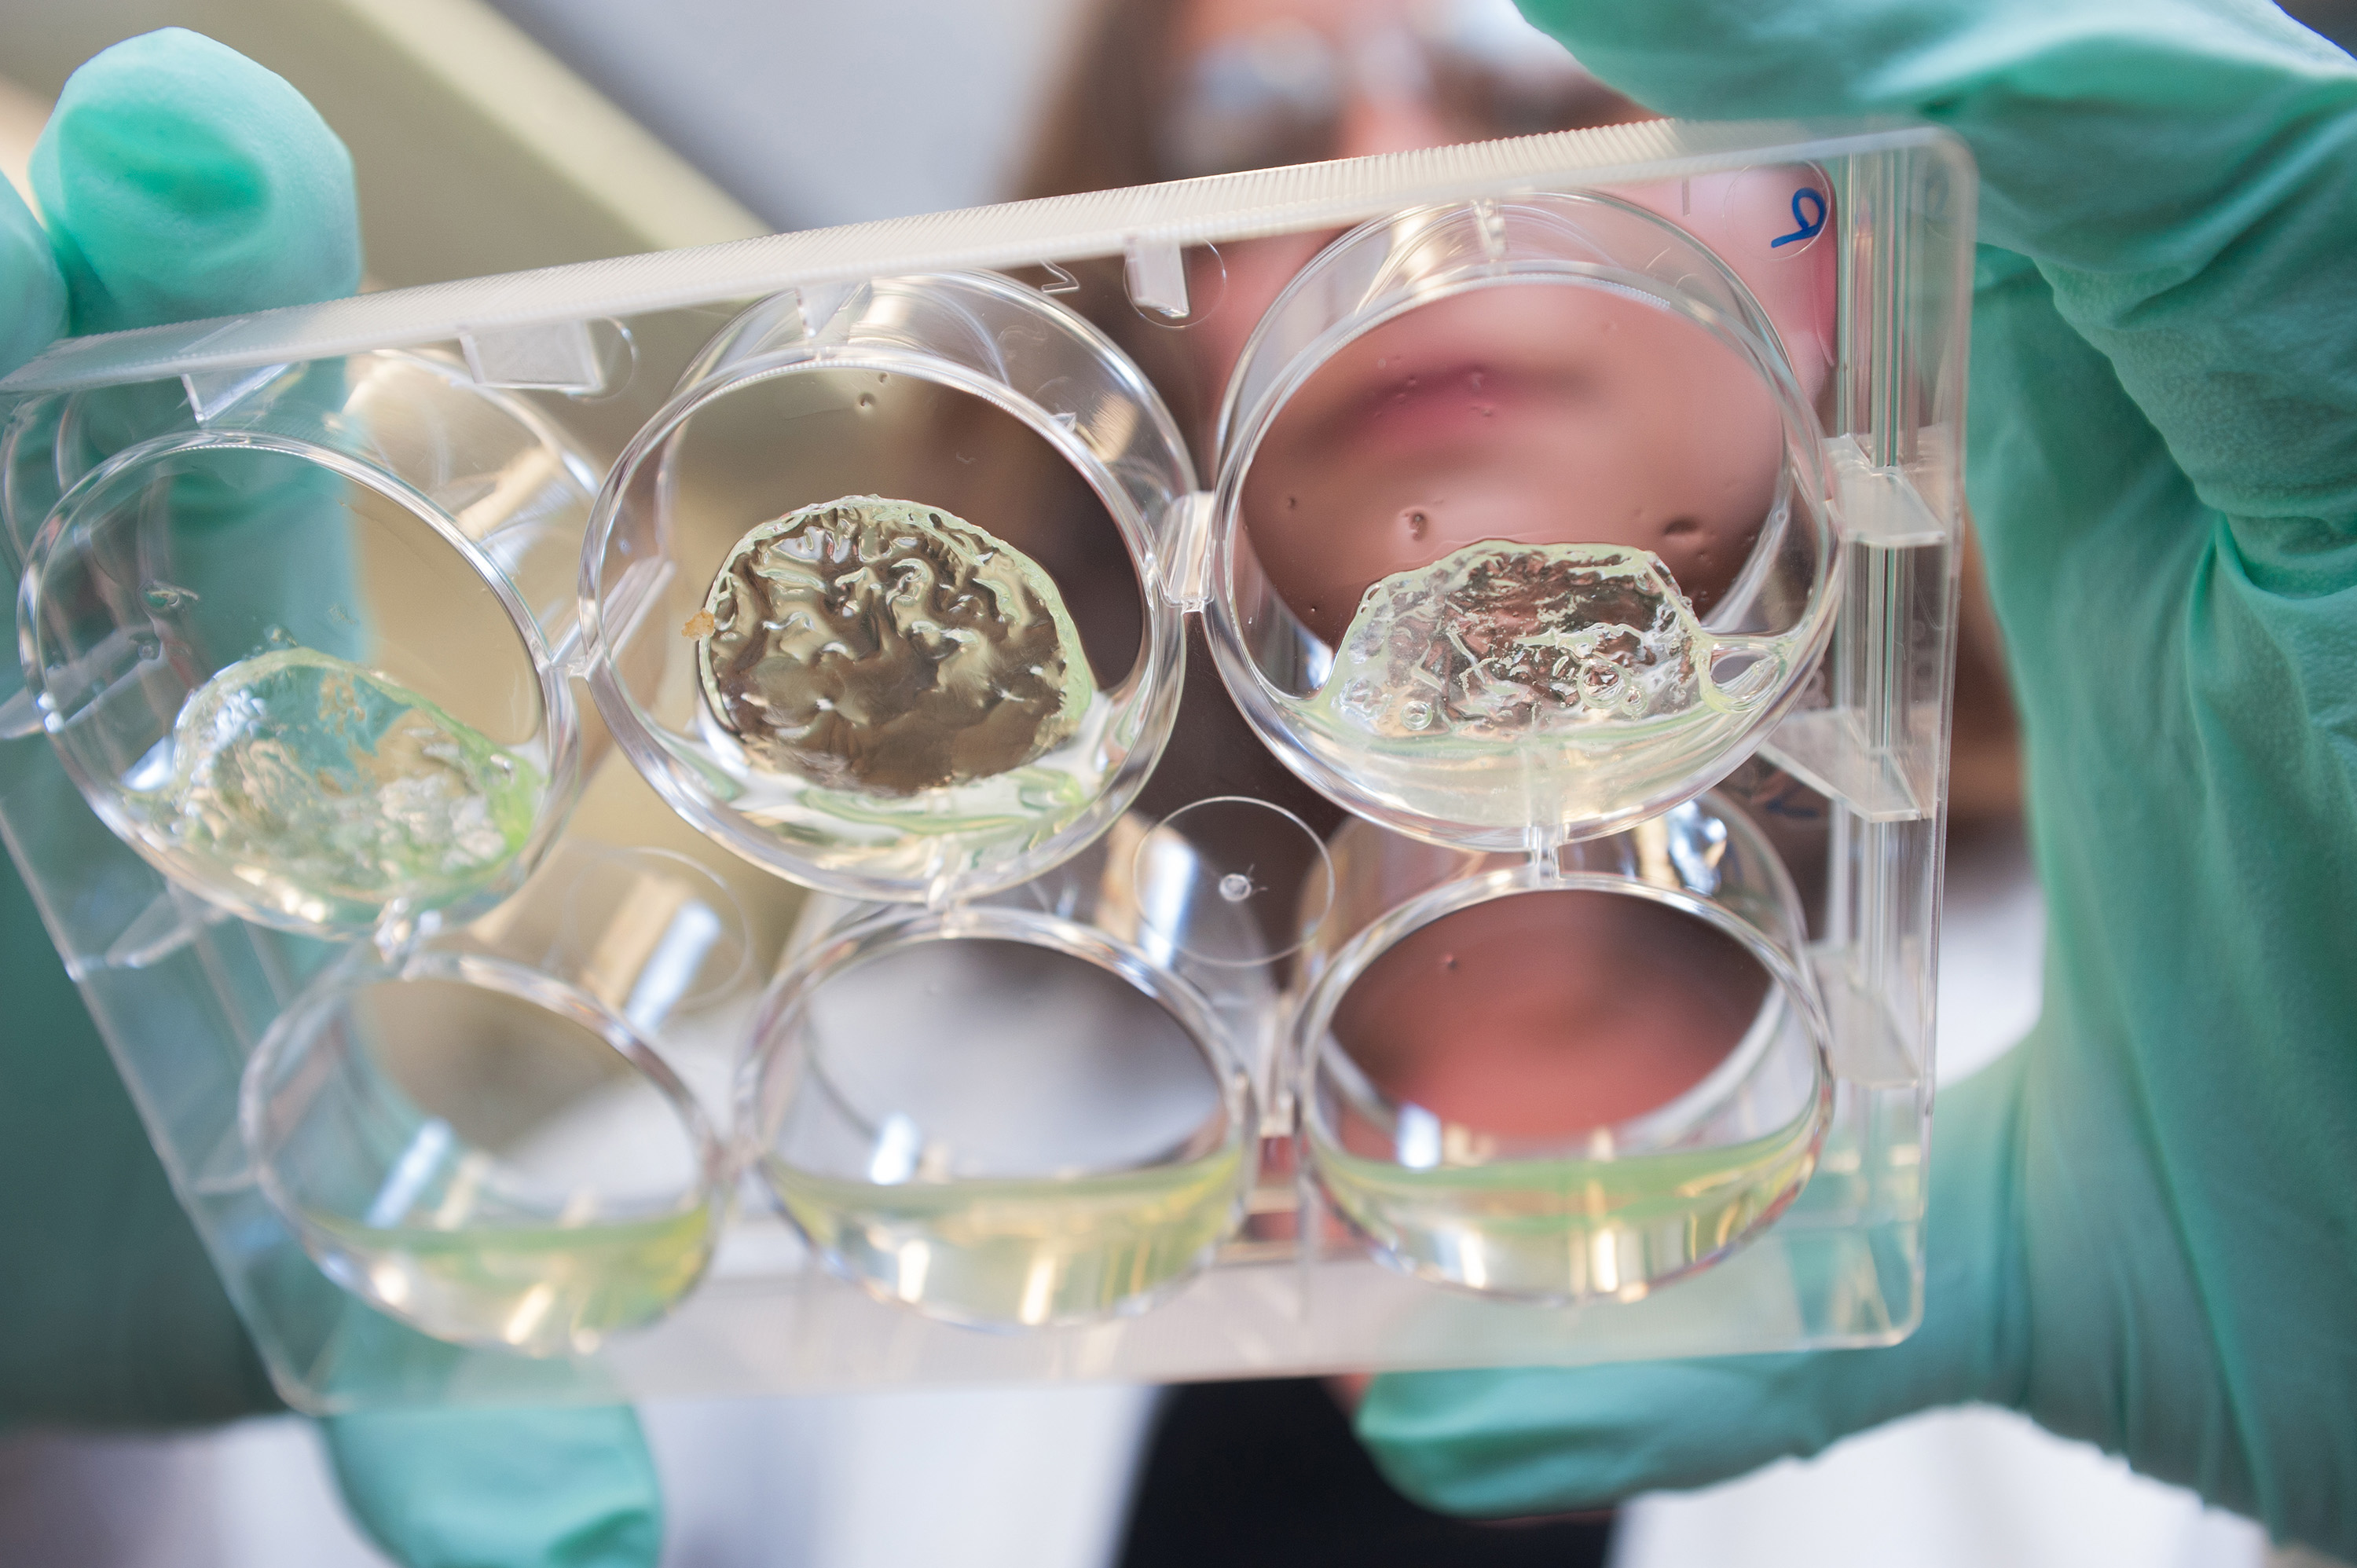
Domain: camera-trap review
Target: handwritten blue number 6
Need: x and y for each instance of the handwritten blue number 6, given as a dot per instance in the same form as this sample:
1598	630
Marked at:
1811	223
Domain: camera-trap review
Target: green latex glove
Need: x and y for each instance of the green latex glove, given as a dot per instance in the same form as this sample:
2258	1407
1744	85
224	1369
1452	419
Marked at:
2142	1219
29	281
180	179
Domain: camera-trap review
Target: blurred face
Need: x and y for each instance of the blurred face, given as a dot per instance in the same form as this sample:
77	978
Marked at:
1535	413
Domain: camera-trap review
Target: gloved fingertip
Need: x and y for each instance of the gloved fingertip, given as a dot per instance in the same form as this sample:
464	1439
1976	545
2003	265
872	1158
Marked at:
502	1488
32	290
1483	1444
180	179
1506	1443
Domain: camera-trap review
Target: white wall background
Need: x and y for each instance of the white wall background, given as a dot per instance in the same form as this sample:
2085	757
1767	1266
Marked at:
812	115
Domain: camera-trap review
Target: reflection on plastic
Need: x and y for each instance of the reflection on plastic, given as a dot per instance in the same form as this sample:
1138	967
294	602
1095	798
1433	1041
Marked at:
1228	881
647	932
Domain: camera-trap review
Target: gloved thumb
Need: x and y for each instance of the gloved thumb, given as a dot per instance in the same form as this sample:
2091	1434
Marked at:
502	1488
179	179
1501	1443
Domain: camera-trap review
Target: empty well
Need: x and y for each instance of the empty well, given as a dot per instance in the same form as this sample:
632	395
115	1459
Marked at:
1562	1084
1017	1125
483	1153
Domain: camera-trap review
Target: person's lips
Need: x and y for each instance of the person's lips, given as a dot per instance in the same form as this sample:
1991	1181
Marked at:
1539	414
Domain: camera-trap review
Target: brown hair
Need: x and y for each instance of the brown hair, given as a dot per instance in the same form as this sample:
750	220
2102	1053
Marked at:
1099	133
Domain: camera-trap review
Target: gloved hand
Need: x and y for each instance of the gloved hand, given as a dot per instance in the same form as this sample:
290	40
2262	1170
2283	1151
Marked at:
180	180
2141	1220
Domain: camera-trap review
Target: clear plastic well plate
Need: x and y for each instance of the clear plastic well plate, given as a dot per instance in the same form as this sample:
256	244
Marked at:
1333	769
